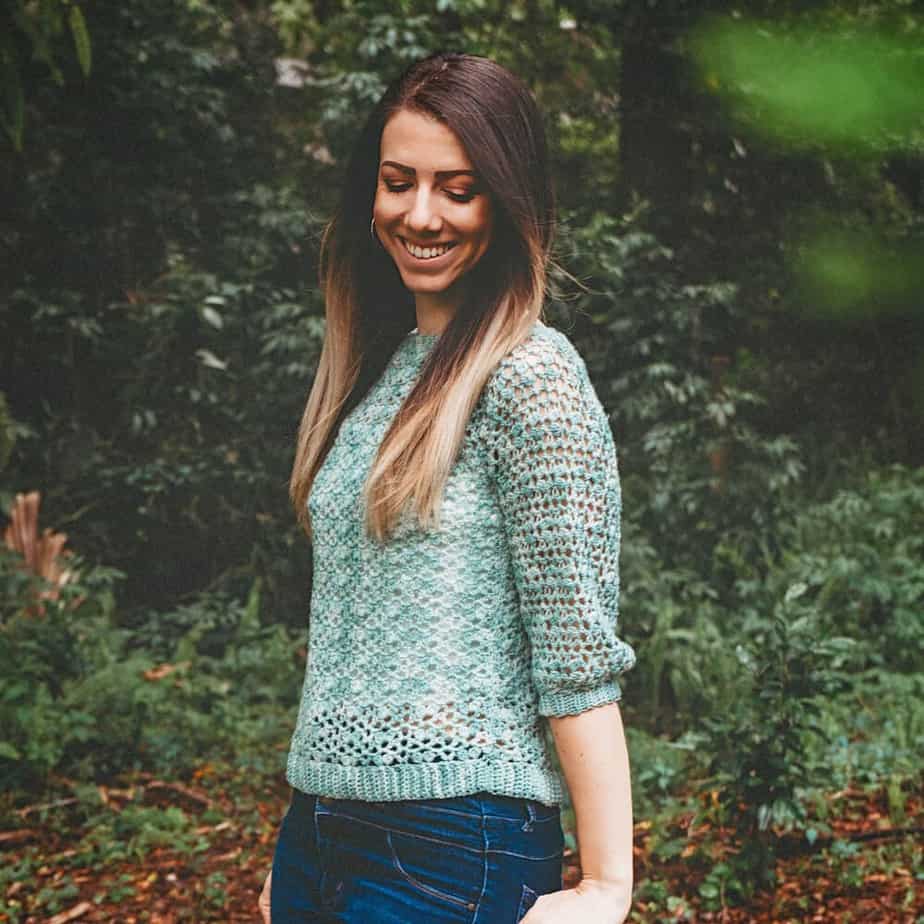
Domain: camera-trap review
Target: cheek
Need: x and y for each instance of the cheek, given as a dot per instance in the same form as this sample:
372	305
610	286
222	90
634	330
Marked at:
382	209
484	222
485	229
479	226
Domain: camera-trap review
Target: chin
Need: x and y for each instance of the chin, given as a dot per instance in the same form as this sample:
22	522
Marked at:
428	286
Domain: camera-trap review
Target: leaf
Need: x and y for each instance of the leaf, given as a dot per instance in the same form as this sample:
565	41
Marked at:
8	751
211	360
763	817
81	39
78	911
163	670
212	316
795	591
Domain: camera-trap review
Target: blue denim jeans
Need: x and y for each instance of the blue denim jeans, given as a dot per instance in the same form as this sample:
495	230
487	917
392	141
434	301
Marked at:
480	859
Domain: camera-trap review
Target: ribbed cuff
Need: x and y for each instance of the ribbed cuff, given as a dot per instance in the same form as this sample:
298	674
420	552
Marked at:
573	702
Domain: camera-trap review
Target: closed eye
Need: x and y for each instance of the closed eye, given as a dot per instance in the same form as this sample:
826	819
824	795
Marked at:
455	196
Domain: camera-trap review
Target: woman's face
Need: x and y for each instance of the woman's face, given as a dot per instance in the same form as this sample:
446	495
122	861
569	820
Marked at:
431	214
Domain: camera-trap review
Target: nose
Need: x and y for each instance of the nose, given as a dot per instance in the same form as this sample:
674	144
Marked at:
423	216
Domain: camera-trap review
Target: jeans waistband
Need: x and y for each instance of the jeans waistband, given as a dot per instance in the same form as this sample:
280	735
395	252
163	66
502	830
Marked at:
478	805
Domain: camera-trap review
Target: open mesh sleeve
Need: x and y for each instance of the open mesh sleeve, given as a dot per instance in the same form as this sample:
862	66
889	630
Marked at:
559	492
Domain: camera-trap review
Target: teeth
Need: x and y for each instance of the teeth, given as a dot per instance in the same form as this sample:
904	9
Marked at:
425	253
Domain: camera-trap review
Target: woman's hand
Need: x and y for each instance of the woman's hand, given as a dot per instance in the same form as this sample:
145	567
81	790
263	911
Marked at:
264	901
589	902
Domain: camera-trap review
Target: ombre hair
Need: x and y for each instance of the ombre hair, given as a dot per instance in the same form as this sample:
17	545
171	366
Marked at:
369	311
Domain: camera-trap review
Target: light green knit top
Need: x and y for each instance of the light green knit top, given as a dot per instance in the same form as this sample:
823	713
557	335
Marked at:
432	659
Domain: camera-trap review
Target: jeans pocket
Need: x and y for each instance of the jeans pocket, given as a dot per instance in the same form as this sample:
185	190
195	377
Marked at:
528	898
434	868
543	813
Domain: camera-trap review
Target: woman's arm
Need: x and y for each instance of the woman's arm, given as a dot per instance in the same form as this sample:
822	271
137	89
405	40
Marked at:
592	751
556	470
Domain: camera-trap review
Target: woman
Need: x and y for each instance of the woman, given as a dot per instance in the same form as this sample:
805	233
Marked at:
459	484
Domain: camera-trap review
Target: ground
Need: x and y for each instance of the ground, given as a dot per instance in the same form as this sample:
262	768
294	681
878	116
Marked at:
197	850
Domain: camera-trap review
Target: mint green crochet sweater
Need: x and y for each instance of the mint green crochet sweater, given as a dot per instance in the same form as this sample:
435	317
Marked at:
434	658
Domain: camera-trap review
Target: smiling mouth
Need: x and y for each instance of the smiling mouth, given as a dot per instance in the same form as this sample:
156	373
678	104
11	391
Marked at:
432	252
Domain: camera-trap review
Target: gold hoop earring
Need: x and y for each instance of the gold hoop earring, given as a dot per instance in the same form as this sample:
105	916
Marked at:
372	227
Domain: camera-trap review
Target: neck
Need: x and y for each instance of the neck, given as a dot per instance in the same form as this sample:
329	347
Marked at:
436	309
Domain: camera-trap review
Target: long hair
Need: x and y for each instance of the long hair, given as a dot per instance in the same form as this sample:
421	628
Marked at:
369	311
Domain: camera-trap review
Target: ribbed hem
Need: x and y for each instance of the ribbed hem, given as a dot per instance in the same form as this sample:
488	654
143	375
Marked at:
423	781
573	703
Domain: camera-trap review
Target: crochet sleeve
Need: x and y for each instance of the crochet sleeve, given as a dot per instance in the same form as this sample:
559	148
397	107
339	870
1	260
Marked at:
558	487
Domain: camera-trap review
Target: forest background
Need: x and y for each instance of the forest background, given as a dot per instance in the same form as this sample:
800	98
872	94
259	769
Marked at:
742	199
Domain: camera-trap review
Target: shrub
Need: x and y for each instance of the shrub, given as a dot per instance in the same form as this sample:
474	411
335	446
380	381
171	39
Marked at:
81	696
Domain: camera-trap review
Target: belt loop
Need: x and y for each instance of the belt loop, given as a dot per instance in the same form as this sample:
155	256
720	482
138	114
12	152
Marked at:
530	816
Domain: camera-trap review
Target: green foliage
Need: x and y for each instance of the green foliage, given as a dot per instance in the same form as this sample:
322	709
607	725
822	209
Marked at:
34	30
874	737
176	344
828	96
693	439
807	678
757	748
849	274
818	83
672	616
83	697
842	598
131	832
659	768
199	435
857	561
42	655
172	323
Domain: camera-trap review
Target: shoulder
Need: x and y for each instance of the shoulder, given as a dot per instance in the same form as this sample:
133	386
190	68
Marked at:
547	357
544	351
541	382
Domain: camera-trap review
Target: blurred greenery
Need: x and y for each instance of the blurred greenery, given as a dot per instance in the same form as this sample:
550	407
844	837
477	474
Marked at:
847	90
809	85
742	198
849	275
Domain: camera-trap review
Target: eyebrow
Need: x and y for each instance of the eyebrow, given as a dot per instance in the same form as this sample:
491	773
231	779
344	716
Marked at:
441	174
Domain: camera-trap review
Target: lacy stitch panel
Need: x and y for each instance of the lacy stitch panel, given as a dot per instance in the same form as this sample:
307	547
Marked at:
558	486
